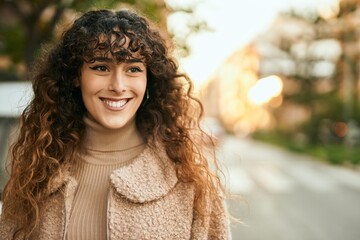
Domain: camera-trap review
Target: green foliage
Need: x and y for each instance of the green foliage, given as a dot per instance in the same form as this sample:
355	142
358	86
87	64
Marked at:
334	153
29	28
22	36
151	9
82	6
13	42
319	137
342	103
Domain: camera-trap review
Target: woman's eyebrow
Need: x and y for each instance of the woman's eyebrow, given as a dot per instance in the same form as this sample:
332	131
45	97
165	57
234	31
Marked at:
134	60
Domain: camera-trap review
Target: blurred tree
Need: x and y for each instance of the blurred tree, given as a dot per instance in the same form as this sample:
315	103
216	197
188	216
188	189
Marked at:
344	27
333	101
26	24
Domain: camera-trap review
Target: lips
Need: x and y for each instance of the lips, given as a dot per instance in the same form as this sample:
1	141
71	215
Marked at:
115	104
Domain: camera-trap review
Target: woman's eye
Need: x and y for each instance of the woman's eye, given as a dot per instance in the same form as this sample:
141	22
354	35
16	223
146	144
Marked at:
134	70
100	68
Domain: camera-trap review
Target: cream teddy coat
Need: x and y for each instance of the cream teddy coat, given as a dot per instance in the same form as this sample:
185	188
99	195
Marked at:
145	201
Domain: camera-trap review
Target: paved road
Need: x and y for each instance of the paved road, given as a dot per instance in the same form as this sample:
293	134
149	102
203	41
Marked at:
284	196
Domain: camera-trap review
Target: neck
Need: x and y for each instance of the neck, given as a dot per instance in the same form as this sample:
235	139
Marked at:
99	138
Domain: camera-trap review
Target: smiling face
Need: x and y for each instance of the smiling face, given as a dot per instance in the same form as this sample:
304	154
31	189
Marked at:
112	92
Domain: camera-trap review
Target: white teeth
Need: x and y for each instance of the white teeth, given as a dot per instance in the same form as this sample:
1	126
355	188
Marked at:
115	104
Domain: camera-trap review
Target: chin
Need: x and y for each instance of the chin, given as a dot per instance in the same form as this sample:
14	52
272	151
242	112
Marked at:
114	126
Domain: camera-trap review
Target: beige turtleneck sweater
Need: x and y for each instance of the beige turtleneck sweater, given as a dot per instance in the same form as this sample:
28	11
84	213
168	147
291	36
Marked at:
105	151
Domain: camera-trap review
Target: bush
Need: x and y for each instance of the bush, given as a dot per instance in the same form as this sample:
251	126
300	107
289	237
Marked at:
335	153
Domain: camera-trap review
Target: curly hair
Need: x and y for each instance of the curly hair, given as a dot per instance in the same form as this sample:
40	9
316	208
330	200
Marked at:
52	124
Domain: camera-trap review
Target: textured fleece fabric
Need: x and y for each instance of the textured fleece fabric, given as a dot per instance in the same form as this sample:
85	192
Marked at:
146	201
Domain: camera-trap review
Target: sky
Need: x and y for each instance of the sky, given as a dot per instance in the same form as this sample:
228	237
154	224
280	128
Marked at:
234	23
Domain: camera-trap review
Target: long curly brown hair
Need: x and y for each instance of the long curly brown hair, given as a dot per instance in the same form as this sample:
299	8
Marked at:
52	124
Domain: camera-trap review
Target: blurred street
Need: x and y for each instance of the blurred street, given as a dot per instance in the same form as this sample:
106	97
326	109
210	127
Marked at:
285	196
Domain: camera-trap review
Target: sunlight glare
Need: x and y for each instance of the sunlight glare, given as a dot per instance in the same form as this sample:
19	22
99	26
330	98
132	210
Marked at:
265	89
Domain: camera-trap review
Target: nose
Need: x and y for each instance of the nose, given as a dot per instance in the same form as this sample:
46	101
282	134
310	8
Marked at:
118	81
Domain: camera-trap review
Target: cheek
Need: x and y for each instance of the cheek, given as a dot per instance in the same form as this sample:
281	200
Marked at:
89	83
142	87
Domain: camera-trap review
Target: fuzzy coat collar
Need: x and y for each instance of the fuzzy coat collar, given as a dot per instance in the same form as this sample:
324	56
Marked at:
150	176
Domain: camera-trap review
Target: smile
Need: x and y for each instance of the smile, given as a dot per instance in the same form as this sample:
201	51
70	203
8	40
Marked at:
115	104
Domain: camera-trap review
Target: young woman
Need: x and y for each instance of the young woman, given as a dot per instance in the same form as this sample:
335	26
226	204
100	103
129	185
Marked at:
110	146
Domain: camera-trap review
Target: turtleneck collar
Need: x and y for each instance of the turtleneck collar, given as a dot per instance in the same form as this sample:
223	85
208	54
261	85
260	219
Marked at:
99	138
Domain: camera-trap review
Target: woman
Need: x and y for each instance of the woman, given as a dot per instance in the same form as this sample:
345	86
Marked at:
110	146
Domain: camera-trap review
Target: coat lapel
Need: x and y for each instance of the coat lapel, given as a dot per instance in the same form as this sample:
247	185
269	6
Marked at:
149	177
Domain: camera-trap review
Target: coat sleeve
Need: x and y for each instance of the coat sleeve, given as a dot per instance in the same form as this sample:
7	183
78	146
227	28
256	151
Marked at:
215	226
